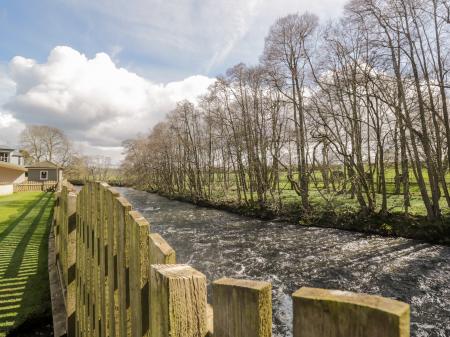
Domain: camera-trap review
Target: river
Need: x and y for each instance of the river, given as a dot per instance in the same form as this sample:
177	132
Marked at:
220	244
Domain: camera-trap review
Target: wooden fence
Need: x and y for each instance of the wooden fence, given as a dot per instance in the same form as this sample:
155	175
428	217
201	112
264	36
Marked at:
120	280
36	186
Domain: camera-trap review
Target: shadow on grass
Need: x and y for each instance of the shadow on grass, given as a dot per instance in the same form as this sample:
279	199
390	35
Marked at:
14	221
24	286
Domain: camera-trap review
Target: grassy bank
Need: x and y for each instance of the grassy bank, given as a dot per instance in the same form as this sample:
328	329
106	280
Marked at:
25	220
341	213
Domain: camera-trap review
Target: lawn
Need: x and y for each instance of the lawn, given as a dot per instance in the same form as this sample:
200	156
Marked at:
25	220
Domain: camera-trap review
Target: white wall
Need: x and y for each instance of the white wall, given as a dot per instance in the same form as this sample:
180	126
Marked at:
20	179
6	189
17	160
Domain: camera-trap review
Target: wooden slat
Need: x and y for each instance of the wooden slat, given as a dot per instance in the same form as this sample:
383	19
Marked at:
333	313
122	207
71	263
139	265
242	308
177	301
160	251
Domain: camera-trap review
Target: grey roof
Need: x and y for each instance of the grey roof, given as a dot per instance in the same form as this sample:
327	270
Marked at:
43	164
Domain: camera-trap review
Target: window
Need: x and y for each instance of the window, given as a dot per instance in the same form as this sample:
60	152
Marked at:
44	175
4	156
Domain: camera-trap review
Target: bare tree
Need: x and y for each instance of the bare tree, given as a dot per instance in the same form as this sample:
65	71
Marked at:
42	142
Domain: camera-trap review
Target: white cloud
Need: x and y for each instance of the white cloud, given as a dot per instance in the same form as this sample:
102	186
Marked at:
10	127
95	102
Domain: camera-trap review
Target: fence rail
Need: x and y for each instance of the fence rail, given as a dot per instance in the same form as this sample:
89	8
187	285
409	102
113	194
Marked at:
36	186
121	280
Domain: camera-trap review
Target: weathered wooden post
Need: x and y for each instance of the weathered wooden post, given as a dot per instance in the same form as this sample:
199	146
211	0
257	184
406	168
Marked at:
122	207
177	301
103	255
139	273
242	308
333	313
57	220
111	265
96	223
159	250
71	263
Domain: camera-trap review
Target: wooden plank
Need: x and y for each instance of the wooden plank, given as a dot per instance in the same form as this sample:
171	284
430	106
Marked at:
139	269
333	313
96	310
160	252
242	308
177	301
71	262
103	235
113	317
122	207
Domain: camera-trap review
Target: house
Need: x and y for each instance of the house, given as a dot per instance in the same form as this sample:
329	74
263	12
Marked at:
10	174
10	155
44	171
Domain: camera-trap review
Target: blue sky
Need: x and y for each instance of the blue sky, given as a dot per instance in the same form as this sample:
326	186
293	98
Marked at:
166	44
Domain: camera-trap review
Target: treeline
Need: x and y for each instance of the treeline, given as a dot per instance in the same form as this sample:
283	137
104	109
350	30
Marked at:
40	143
329	110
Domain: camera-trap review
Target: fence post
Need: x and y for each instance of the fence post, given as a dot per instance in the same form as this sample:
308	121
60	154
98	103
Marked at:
177	301
139	272
242	308
122	207
71	262
111	265
159	250
333	313
57	218
103	256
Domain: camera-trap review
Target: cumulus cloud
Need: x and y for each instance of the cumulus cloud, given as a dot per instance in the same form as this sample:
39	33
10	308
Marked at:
9	126
97	103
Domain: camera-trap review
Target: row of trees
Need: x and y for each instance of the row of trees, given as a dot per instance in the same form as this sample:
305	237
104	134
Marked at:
329	109
46	143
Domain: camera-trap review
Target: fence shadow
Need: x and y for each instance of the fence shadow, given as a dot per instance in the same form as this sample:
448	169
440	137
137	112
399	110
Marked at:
24	290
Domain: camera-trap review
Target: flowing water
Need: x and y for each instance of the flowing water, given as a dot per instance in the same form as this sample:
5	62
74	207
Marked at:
222	244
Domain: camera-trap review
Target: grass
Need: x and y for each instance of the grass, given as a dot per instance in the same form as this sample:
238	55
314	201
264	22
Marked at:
335	209
342	203
25	220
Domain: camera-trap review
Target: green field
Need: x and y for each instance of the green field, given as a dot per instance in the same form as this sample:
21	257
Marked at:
25	220
323	200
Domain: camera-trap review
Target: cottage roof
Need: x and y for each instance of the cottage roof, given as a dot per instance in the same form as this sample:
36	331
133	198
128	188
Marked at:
12	166
43	165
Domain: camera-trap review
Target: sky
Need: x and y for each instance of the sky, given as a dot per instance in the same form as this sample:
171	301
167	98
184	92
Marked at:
105	71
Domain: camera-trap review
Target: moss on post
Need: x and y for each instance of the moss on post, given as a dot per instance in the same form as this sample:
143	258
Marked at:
177	301
139	272
333	313
122	207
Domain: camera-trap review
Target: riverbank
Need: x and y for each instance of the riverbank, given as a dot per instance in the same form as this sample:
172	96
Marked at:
390	225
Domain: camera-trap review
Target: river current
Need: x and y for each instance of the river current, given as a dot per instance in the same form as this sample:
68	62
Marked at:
220	244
